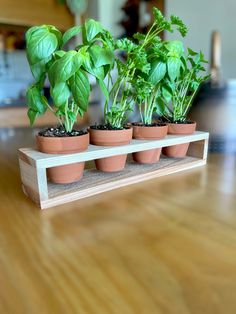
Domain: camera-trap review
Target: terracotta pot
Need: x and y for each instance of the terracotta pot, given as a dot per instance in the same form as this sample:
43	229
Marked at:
111	138
148	133
179	151
64	145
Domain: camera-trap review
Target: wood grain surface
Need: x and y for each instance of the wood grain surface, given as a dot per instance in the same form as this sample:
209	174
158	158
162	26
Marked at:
164	246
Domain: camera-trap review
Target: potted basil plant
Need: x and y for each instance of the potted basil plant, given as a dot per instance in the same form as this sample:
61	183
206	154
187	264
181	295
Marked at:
118	102
67	72
178	91
147	86
119	93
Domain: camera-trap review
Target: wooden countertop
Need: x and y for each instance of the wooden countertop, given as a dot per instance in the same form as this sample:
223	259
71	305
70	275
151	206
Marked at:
164	246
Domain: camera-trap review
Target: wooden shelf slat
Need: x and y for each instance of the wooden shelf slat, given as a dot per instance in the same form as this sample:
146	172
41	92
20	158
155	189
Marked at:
42	160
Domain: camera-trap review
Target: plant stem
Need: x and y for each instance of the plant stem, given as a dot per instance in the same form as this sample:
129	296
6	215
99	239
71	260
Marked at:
190	102
67	122
53	111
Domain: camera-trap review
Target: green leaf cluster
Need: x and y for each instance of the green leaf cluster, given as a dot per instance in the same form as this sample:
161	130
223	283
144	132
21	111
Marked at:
174	75
179	88
159	76
67	71
140	75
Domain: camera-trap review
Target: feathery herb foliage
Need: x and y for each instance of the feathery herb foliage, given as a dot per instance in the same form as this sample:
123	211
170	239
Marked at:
140	73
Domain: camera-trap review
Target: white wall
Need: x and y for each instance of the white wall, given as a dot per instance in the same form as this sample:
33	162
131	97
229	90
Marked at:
109	13
204	16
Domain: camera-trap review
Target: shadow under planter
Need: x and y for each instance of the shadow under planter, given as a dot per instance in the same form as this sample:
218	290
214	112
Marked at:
64	145
111	138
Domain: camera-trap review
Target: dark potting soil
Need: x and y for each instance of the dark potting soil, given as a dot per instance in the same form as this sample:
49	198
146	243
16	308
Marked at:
106	127
149	125
60	132
182	122
177	122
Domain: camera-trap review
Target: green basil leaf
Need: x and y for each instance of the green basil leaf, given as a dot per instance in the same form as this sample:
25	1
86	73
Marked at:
175	48
63	68
96	72
35	29
92	29
157	72
70	33
80	88
107	68
60	94
81	112
32	115
173	65
194	85
101	56
72	116
161	108
39	69
41	45
166	94
59	54
191	52
52	72
104	89
56	32
35	100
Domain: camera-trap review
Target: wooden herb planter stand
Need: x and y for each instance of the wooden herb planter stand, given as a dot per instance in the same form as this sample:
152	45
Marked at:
33	165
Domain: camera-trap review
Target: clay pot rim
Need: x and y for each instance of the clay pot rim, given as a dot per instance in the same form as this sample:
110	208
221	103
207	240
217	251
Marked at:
118	130
151	126
62	137
190	122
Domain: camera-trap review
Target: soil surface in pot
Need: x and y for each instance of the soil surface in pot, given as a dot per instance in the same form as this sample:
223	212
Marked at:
60	132
149	125
107	127
179	122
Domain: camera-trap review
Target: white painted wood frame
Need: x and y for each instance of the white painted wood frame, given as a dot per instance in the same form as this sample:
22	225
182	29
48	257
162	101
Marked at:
33	165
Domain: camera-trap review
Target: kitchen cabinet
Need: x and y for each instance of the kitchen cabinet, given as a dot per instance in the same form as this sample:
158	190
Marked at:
17	117
35	12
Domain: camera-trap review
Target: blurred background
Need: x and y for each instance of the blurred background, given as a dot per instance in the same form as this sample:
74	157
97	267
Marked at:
211	28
